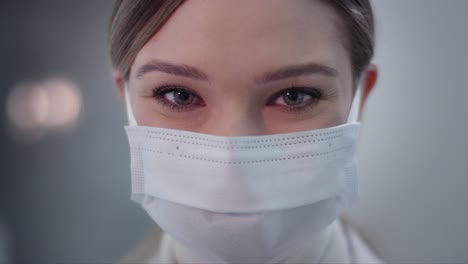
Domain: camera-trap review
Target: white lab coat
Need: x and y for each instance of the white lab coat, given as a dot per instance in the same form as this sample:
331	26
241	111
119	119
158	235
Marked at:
343	246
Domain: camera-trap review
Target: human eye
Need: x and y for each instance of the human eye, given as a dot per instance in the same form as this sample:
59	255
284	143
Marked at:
296	99
177	98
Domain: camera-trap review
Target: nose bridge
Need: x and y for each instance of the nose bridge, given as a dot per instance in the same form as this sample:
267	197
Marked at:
236	120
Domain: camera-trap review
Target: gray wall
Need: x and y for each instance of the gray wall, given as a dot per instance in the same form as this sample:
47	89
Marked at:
65	198
414	150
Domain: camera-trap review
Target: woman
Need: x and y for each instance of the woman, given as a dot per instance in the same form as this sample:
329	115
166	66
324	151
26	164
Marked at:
241	130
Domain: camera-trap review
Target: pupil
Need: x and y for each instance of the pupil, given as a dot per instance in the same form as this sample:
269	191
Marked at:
183	98
292	96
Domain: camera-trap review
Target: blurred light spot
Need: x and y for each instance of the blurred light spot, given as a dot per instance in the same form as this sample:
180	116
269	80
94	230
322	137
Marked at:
27	106
34	109
27	109
64	104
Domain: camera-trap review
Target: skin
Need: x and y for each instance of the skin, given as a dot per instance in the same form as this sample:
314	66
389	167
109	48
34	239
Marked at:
234	44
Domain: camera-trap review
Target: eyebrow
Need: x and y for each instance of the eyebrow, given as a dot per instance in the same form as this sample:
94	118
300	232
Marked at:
174	69
296	71
187	71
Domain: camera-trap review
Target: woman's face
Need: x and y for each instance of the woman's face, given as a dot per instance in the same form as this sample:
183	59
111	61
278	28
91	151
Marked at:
238	68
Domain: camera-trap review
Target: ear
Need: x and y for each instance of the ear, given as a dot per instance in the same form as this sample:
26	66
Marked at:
119	83
368	82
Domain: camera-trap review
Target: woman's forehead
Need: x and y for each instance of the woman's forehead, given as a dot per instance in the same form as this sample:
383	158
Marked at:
222	33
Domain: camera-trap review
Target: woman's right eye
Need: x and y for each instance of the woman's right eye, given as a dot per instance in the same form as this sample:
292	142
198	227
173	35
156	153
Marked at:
177	98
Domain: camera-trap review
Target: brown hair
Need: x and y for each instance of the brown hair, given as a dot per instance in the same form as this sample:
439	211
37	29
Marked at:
134	22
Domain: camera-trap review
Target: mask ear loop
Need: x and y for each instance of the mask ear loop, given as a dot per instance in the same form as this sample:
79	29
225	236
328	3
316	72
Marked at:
353	192
128	106
354	112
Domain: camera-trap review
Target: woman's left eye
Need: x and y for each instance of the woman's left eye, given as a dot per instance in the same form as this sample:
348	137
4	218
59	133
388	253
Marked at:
295	98
177	98
180	97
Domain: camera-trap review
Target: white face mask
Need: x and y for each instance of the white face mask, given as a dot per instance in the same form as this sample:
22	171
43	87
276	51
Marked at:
249	199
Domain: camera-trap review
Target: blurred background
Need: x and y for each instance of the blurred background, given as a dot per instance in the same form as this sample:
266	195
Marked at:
64	161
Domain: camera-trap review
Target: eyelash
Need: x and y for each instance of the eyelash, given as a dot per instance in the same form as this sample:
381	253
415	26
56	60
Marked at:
315	94
160	93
